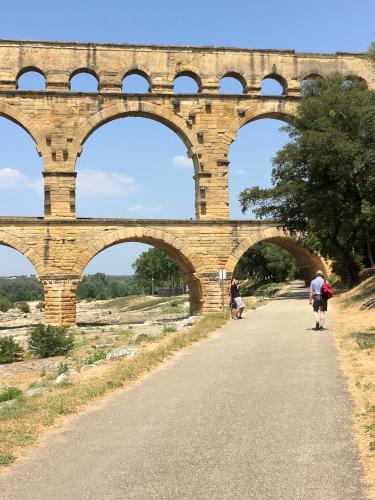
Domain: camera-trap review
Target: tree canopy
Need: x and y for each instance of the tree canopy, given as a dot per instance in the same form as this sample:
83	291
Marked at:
155	265
266	262
323	180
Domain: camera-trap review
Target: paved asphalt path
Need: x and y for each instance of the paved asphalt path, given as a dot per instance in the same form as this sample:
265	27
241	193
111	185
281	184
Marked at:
259	411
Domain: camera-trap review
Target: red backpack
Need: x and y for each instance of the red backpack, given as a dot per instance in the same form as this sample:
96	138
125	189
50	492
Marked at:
326	291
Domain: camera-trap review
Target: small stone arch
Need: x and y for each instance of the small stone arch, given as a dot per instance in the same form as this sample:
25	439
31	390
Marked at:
135	108
237	76
138	72
307	261
28	69
189	262
190	74
312	73
278	109
278	78
18	244
84	70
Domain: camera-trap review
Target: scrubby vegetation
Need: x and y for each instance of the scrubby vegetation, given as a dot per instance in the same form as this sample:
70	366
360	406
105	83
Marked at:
10	350
46	341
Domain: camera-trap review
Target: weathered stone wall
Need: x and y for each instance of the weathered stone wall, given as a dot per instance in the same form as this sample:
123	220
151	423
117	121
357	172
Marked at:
60	121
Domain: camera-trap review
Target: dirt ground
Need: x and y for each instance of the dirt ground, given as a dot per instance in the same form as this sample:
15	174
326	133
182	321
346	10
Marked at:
102	325
357	357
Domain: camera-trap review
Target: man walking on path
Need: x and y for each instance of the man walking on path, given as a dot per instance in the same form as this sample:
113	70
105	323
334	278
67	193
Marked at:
318	302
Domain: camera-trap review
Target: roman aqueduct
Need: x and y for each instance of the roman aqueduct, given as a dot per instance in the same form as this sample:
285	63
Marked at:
59	245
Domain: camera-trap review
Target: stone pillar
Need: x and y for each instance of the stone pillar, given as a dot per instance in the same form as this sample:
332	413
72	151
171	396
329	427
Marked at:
60	295
57	81
293	88
110	82
211	189
212	292
59	194
161	85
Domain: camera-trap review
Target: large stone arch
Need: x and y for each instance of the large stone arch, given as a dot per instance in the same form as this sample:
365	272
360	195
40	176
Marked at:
21	246
278	109
136	108
188	261
15	115
307	261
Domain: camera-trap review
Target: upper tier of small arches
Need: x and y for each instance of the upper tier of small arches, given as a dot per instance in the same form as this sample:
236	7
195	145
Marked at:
138	80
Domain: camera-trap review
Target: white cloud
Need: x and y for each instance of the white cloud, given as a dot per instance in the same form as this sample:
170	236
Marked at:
240	171
182	161
92	183
11	178
135	208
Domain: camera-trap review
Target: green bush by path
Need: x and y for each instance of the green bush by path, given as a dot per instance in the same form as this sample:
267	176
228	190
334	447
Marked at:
46	341
10	350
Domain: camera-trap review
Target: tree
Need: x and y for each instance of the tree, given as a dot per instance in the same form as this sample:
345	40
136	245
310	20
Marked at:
156	265
266	262
324	178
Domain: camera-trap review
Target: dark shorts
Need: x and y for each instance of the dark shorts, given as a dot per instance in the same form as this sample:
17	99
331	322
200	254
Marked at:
319	303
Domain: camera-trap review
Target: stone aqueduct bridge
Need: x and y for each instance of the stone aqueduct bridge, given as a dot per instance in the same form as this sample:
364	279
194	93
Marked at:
59	245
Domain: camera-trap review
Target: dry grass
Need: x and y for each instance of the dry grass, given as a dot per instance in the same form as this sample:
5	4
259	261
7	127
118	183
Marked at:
354	334
26	420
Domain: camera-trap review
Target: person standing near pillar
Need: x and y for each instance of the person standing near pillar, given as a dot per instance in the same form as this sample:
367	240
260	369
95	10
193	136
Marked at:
236	300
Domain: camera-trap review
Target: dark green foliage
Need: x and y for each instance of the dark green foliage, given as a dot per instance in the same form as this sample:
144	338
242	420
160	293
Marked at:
10	393
21	289
62	368
22	306
5	303
46	341
155	265
266	262
10	350
98	355
101	287
324	178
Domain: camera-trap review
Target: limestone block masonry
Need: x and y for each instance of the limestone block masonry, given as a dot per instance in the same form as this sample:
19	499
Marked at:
59	120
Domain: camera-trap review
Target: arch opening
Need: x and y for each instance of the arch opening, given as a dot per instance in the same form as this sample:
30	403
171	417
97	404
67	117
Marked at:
187	82
84	80
232	83
272	86
306	261
144	266
251	156
21	293
136	82
127	169
31	79
21	183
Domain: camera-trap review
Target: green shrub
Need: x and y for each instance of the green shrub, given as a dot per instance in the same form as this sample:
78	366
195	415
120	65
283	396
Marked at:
7	459
10	393
5	303
96	356
46	341
365	340
40	306
169	329
62	368
23	306
10	350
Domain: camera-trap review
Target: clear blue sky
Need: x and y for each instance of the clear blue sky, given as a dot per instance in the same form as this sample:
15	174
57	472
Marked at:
136	167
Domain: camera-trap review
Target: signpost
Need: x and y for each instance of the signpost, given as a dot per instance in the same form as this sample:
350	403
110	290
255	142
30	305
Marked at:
222	277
